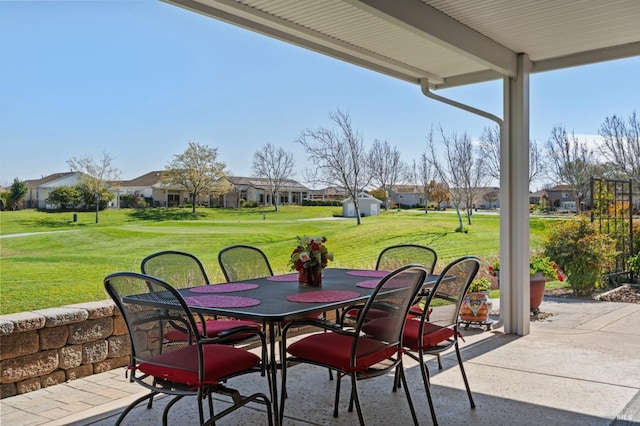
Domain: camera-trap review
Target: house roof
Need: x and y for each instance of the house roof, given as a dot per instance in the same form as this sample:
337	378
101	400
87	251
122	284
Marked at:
262	183
34	183
445	43
407	189
148	179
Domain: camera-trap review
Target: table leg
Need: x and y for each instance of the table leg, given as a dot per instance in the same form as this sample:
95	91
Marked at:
273	370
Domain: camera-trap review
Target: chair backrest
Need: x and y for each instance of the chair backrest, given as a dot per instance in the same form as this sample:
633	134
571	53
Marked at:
134	294
393	295
449	290
394	257
241	262
178	268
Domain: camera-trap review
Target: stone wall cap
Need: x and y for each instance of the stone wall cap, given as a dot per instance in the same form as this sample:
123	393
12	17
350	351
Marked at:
25	321
61	316
100	309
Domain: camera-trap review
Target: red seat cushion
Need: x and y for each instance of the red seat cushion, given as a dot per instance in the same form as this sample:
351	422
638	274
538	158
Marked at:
372	314
181	366
431	334
334	349
214	328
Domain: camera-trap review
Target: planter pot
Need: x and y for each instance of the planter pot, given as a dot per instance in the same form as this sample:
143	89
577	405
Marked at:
310	278
475	307
536	288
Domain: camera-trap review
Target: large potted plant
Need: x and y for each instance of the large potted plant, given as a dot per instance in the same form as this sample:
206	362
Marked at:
541	270
476	305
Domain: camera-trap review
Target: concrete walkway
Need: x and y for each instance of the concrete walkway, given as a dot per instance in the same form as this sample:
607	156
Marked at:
579	366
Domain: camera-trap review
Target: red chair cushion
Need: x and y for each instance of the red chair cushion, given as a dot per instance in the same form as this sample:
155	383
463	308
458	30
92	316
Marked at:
334	350
372	314
181	366
431	335
214	328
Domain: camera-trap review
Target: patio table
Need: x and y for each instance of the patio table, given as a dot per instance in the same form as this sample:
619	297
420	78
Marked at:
272	300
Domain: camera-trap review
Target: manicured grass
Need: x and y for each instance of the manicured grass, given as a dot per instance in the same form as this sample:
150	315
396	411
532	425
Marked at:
50	269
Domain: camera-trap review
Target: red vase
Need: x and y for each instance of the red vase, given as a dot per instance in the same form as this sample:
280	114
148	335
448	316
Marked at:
536	291
310	277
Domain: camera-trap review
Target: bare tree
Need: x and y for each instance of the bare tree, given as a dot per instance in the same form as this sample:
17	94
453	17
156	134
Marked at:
276	165
490	150
572	162
96	177
462	170
339	157
622	145
425	174
198	172
386	166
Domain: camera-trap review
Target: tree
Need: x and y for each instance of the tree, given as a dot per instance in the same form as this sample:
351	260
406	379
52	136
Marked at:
198	172
425	173
276	165
386	166
490	150
572	162
462	170
16	193
96	177
622	145
65	196
339	157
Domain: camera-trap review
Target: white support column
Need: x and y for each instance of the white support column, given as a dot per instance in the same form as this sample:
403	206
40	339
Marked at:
514	202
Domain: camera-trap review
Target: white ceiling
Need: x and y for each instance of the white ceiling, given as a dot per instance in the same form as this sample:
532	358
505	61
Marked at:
449	42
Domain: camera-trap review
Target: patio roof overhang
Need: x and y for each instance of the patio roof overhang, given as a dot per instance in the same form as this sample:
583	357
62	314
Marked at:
443	43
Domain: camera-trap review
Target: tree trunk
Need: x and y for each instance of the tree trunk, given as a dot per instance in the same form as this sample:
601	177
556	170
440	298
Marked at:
193	204
97	206
459	216
357	207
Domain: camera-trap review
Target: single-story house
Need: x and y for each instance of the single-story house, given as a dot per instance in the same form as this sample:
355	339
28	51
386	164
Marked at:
369	206
38	189
256	189
150	187
406	195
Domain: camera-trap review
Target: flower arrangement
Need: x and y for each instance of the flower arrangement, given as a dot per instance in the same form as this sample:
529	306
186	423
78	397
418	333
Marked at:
311	253
537	263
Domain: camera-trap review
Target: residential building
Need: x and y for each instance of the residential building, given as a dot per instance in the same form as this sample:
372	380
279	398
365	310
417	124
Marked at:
38	190
256	189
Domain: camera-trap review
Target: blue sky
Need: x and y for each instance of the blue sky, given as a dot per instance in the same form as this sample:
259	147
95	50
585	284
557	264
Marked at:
140	79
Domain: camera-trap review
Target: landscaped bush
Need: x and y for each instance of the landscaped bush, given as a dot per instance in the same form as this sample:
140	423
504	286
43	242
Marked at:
582	252
321	203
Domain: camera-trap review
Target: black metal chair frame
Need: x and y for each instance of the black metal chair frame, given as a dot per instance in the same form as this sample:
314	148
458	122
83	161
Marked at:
453	340
356	333
225	269
177	311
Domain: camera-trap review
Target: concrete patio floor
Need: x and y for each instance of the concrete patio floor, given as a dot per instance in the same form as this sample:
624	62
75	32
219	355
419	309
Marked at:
578	366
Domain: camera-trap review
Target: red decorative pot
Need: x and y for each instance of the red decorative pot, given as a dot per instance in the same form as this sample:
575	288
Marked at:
536	291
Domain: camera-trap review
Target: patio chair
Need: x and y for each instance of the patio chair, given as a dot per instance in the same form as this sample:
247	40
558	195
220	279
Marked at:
370	349
196	366
242	262
184	270
392	258
439	332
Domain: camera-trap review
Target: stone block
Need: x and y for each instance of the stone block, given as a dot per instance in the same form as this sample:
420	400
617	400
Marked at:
7	390
70	356
79	372
19	344
110	364
28	385
118	346
6	327
25	321
28	366
119	326
94	351
54	378
55	317
53	337
95	310
90	330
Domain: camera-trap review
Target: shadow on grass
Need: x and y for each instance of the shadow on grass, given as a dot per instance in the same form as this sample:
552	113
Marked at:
166	214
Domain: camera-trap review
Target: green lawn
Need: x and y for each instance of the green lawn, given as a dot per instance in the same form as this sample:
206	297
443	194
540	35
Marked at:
50	269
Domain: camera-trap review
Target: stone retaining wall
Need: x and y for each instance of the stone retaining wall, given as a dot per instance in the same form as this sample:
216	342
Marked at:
50	346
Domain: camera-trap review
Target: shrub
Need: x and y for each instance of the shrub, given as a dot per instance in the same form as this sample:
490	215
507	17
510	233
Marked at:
582	253
480	284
